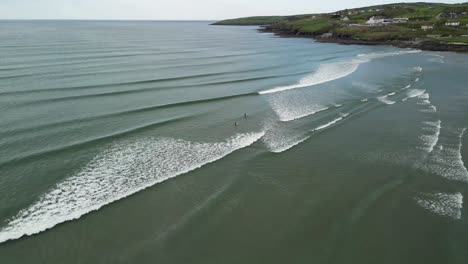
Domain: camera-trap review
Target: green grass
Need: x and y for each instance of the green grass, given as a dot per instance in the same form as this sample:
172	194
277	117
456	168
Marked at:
317	26
455	40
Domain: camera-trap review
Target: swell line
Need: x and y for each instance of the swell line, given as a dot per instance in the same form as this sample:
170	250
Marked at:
87	87
131	111
94	140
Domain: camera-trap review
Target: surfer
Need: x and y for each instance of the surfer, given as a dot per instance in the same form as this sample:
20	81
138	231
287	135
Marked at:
236	124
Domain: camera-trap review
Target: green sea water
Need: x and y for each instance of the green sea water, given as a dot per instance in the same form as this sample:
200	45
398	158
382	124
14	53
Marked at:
180	142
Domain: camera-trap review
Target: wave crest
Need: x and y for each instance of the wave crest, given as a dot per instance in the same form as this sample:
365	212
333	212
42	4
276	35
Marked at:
124	169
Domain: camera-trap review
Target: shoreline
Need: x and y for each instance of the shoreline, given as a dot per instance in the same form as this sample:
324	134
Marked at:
422	45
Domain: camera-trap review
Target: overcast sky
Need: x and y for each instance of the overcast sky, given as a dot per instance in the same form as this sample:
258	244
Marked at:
172	9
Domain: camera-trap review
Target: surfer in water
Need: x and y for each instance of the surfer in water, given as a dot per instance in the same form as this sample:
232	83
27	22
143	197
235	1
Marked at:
236	124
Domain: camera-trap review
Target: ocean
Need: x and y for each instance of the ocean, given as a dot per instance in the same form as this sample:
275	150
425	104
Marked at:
181	142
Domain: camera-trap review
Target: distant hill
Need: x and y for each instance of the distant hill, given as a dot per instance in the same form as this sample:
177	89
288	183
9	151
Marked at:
430	23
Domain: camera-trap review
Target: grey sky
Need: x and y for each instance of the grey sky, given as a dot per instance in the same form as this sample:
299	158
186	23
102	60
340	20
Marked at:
172	9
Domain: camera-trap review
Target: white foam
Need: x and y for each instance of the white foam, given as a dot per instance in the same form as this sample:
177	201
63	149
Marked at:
443	204
431	141
418	69
437	58
377	55
408	86
416	80
414	93
124	169
289	107
325	73
383	99
447	161
364	100
334	121
390	94
425	100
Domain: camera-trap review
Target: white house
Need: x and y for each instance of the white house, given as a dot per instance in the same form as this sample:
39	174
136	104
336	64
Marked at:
375	20
345	18
452	24
400	20
427	27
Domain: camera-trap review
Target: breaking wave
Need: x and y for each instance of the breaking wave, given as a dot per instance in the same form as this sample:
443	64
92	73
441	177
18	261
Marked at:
279	142
334	121
447	161
383	99
414	93
293	108
122	170
325	73
377	55
334	71
430	141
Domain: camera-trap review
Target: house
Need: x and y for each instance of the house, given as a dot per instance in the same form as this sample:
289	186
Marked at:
345	18
448	15
378	20
375	20
400	20
452	24
427	27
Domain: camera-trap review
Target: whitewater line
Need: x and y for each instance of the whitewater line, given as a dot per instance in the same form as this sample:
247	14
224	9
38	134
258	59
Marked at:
122	170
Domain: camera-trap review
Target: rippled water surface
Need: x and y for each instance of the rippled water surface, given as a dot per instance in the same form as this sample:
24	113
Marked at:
180	142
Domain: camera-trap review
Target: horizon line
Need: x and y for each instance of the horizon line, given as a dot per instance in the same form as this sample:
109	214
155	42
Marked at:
97	19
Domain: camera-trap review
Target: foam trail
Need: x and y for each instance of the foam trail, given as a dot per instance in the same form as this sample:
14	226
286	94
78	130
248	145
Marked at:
414	93
325	73
334	121
443	204
426	102
447	161
364	100
432	140
122	170
416	80
383	99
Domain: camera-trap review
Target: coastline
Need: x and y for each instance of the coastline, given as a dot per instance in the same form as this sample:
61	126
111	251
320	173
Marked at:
422	45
